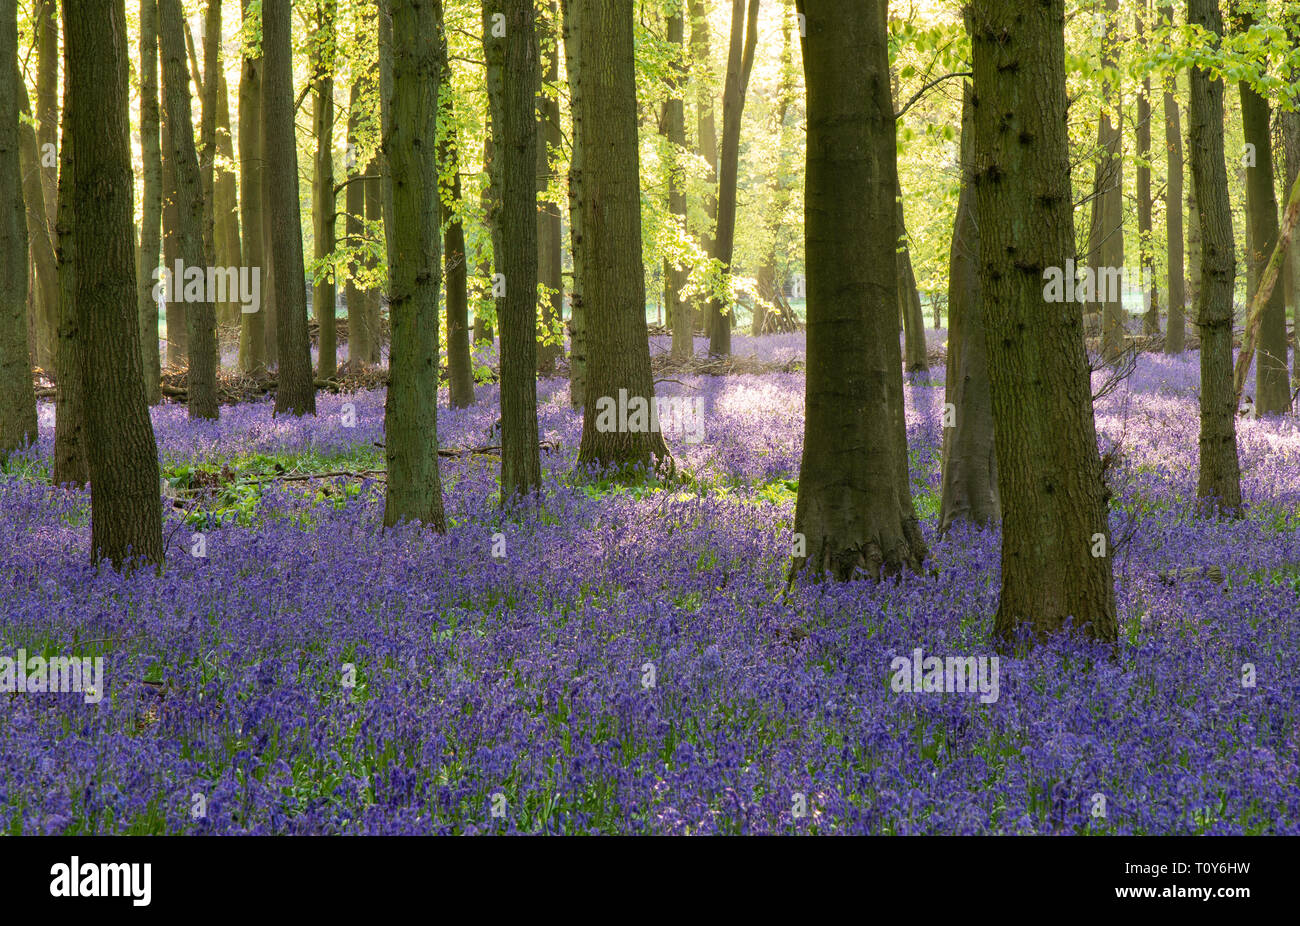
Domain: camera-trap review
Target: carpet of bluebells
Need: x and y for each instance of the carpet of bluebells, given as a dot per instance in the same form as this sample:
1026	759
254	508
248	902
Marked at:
632	664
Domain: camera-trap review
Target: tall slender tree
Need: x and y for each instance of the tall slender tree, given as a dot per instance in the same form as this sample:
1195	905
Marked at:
252	330
410	132
1175	327
740	63
1219	481
296	391
460	372
69	466
706	134
125	505
324	207
151	202
550	265
18	426
200	316
573	67
47	142
513	73
674	132
1142	170
1056	564
1106	233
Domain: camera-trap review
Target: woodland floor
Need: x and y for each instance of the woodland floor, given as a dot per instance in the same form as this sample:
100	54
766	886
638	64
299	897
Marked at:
518	683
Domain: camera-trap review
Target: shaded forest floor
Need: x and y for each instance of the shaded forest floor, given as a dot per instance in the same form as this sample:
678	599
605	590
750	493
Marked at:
523	682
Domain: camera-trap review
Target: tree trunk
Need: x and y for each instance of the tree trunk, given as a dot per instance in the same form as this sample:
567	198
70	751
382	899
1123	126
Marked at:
674	131
69	466
1291	136
1106	235
125	506
324	207
174	308
225	213
45	306
573	66
1193	229
511	48
854	511
1175	328
1146	254
970	466
618	368
460	371
374	215
550	346
151	203
296	392
18	425
485	304
47	145
1272	382
909	299
410	131
740	62
354	207
1049	468
706	139
252	327
1219	483
207	152
200	318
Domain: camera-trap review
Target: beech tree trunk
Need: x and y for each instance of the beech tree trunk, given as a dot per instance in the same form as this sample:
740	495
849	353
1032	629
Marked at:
252	325
200	317
1219	481
550	265
740	62
573	66
18	425
1272	382
69	466
45	320
854	514
40	242
151	203
1054	514
410	120
970	466
513	74
460	372
296	392
324	207
225	213
1146	254
1175	327
125	505
1106	234
614	285
706	140
676	307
